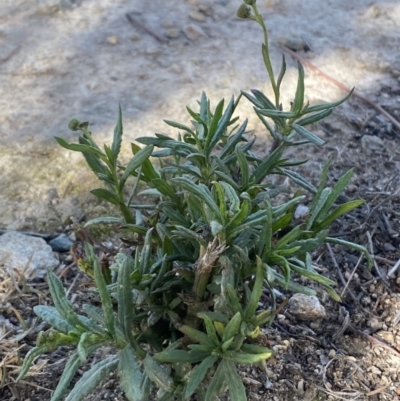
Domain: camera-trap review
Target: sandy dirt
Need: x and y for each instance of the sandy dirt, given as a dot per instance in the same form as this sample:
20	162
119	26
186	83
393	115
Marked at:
67	59
64	59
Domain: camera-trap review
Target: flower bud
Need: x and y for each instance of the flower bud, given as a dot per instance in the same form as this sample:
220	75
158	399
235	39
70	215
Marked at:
244	11
250	2
74	124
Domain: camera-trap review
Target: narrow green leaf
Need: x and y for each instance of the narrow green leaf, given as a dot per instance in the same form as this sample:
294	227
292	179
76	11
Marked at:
197	336
95	163
289	237
71	367
184	232
198	374
262	318
321	185
253	100
125	300
333	294
277	113
222	125
29	358
117	140
234	299
237	392
228	179
282	222
281	72
180	126
298	179
107	195
137	160
181	356
158	374
232	328
265	240
201	191
255	349
215	120
104	220
105	297
50	315
267	165
61	303
130	374
148	171
325	106
316	208
305	133
216	384
79	147
166	189
256	293
211	331
299	97
314	117
233	141
82	346
243	165
92	378
267	125
244	358
239	218
234	201
266	103
352	245
337	190
312	275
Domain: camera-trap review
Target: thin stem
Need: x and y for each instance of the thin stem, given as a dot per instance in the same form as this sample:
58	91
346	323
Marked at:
267	59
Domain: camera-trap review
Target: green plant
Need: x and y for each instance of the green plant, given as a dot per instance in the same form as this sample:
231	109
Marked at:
183	308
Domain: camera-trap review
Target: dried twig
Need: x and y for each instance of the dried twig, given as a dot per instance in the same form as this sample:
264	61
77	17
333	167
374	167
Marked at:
342	86
393	270
378	270
351	275
138	24
380	204
342	279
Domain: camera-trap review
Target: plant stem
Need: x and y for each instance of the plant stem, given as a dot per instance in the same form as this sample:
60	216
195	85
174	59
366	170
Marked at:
267	59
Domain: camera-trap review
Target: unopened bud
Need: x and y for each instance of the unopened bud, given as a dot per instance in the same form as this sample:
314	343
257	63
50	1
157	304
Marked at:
74	124
250	2
244	11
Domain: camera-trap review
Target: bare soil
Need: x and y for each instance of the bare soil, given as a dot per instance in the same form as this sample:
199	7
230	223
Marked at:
80	58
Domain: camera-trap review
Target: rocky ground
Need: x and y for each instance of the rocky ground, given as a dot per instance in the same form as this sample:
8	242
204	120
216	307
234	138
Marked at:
64	59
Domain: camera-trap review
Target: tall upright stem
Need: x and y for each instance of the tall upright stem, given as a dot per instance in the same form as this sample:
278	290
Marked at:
265	52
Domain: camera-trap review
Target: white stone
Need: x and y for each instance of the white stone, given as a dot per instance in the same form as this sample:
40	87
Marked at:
193	32
30	255
306	307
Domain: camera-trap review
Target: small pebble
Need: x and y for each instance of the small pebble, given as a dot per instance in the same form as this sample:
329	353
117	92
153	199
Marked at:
173	33
197	16
61	243
193	32
112	39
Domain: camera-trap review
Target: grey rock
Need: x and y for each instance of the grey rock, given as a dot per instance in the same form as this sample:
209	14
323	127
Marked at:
305	307
61	243
372	144
49	7
193	32
173	33
31	256
197	16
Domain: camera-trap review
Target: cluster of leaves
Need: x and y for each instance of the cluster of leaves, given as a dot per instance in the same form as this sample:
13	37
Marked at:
183	307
